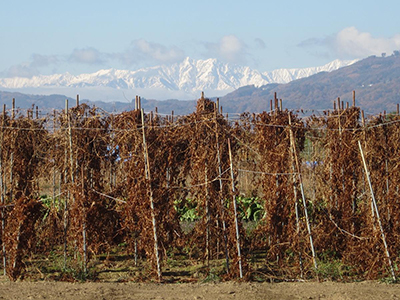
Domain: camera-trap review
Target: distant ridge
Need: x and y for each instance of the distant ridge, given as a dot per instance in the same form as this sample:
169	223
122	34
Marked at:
184	80
376	81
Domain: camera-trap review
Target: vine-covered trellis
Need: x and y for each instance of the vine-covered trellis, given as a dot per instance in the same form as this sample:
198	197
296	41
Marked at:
82	182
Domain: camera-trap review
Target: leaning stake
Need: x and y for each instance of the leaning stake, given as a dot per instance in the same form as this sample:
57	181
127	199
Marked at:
2	194
302	194
235	211
377	212
153	216
216	108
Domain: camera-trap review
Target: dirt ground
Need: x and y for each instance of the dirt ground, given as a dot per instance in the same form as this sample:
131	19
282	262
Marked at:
214	291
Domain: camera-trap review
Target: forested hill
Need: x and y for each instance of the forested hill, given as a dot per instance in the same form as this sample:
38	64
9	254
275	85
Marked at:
376	81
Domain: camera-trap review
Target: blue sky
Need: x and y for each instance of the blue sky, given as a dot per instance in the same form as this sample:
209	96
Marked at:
45	37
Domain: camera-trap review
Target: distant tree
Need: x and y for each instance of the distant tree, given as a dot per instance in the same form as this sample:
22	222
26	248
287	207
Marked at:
396	53
383	54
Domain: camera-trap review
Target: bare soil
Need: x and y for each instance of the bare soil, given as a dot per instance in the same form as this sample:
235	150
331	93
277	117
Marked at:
214	291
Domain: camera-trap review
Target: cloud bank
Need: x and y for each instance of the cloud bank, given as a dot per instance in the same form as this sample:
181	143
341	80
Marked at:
90	56
351	43
139	53
229	48
142	51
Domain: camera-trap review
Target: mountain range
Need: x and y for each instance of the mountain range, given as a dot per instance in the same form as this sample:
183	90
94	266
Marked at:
376	81
183	80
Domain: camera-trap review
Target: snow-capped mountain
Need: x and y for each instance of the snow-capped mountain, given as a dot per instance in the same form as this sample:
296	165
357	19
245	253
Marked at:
188	77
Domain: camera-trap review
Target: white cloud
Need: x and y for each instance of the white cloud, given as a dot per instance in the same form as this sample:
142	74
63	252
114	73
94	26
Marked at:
142	51
39	60
351	43
31	67
21	70
354	43
228	48
90	56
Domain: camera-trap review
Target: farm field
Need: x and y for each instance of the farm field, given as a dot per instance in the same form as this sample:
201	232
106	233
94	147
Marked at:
227	290
206	197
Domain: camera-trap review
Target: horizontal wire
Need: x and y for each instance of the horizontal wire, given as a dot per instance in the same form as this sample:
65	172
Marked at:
179	123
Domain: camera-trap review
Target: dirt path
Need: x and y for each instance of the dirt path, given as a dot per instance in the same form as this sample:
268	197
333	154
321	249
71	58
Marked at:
214	291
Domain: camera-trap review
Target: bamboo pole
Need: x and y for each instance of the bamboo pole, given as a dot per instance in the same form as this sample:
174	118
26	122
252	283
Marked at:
377	212
54	163
85	261
220	189
66	198
71	159
235	211
365	144
148	177
3	224
208	217
304	198
12	154
292	147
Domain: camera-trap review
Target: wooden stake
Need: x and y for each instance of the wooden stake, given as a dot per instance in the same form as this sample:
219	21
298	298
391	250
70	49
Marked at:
148	177
377	212
354	98
77	100
13	109
362	118
235	211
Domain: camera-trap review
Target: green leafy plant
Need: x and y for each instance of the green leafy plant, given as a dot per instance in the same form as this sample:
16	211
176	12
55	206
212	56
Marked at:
250	208
186	210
